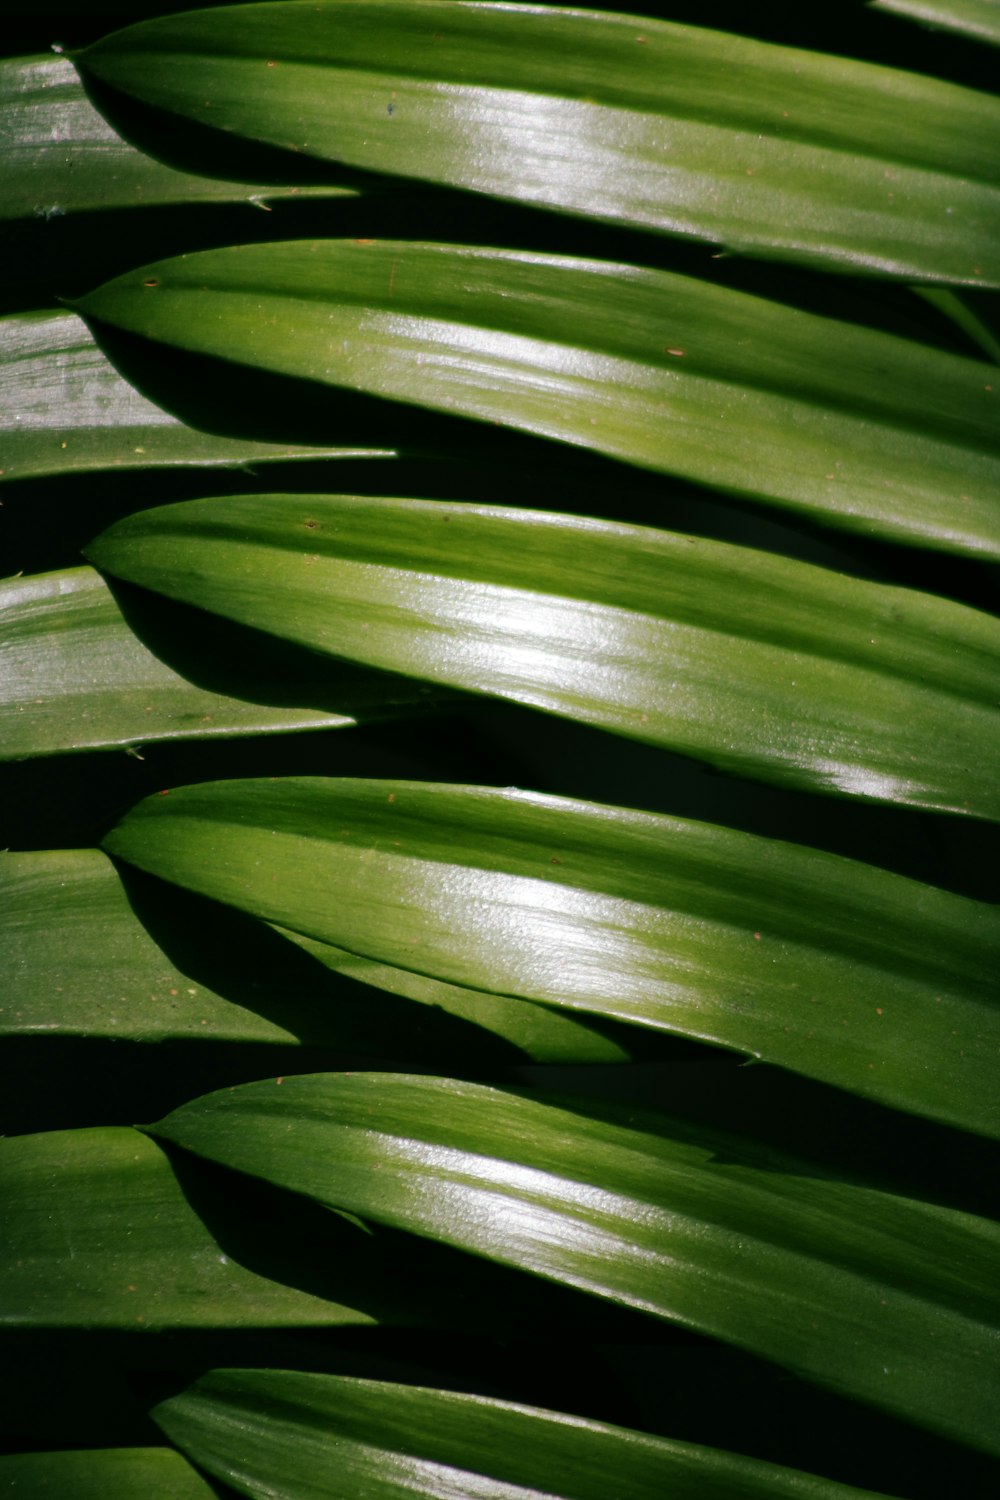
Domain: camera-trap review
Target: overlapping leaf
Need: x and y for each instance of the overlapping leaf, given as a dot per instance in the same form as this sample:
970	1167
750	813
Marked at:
832	968
873	1294
66	409
61	156
856	428
100	1233
763	149
762	666
86	955
104	1474
288	1436
77	677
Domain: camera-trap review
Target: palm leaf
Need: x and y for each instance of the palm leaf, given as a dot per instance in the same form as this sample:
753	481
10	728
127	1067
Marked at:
89	956
62	156
104	1474
820	964
67	409
78	677
874	1295
766	150
855	428
293	1436
979	20
762	666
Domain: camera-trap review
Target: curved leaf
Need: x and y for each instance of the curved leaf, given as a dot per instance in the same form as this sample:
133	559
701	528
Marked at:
829	967
766	150
62	156
76	676
855	428
289	1436
66	408
759	665
104	1474
100	1233
977	19
874	1295
85	955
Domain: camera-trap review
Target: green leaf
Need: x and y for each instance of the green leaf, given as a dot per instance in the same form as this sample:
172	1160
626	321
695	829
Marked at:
100	1233
66	409
976	19
874	1295
852	427
762	666
61	156
823	965
765	150
86	955
78	677
104	1474
289	1436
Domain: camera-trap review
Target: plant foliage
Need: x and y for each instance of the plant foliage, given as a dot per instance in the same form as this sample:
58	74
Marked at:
574	1060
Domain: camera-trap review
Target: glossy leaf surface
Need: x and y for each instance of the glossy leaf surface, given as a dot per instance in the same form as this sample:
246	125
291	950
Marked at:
66	409
88	955
977	19
878	1296
77	677
293	1436
823	965
103	1474
61	155
762	149
762	666
855	428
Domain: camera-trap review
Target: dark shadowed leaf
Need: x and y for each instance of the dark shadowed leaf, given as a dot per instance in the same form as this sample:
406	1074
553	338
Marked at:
832	968
870	1293
103	1474
290	1436
856	428
763	149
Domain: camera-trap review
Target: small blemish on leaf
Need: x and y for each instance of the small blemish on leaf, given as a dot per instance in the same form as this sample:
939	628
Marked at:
151	281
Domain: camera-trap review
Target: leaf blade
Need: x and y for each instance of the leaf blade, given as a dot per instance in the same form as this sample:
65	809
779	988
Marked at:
68	410
880	1297
850	427
832	968
764	149
762	666
315	1435
90	956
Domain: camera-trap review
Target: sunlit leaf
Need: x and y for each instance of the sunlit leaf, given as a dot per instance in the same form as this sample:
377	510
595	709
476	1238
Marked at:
62	156
66	408
762	666
855	428
976	19
763	149
76	676
87	955
826	966
873	1294
291	1436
